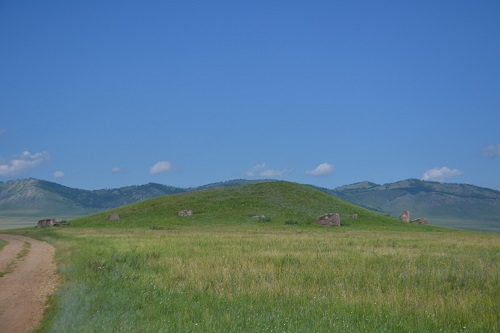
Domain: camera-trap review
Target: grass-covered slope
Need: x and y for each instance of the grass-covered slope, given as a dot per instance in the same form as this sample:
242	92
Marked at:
275	203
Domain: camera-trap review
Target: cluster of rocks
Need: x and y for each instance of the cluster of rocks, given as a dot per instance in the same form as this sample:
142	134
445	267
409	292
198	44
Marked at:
114	217
420	220
333	219
186	212
405	217
50	223
46	223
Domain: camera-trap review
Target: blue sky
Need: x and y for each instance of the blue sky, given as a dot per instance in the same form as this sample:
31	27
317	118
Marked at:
103	94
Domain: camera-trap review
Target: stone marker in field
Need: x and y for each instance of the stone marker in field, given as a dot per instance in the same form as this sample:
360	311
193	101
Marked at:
420	220
405	216
186	212
114	217
46	223
329	219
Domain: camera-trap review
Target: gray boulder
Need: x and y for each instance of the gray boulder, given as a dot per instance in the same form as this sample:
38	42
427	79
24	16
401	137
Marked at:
332	219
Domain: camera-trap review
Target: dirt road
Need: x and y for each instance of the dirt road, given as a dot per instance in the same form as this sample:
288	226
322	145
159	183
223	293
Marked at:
29	277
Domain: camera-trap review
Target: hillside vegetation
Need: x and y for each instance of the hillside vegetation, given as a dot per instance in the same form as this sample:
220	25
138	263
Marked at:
462	206
274	203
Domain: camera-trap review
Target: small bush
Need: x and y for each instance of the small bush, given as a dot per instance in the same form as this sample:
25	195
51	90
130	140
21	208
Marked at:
261	218
291	222
155	227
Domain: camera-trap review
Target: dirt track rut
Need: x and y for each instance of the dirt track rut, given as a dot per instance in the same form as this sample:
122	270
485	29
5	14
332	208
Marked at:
24	289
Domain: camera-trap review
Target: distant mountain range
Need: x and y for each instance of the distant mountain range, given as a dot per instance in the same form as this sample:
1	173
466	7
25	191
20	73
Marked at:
453	205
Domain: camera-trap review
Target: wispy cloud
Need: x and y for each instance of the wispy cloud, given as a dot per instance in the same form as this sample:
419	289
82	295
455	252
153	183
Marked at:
273	173
261	170
255	170
491	151
159	167
2	131
116	170
440	174
16	164
58	174
321	170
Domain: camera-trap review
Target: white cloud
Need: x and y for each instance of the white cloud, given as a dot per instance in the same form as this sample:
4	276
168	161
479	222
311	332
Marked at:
255	170
161	166
58	174
116	170
491	151
439	174
273	173
321	170
17	164
260	170
2	131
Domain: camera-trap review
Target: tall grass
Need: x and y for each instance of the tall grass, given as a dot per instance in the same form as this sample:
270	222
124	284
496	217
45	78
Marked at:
269	279
223	270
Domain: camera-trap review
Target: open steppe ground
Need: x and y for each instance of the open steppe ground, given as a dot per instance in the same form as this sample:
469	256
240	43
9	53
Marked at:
268	279
251	259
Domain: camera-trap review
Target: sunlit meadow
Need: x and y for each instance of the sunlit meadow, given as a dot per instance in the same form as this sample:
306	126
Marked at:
224	270
268	279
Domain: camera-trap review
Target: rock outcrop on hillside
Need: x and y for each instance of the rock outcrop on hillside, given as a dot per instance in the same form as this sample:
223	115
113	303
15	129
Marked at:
332	219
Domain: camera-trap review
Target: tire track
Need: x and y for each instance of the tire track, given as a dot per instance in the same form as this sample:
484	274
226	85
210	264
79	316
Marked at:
25	288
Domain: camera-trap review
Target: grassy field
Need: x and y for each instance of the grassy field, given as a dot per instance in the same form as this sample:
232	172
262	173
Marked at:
7	223
10	219
468	224
222	270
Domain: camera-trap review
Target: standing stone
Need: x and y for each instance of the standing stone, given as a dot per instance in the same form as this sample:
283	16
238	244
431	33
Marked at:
405	216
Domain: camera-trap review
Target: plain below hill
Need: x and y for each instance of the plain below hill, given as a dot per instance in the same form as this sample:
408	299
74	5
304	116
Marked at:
450	205
22	202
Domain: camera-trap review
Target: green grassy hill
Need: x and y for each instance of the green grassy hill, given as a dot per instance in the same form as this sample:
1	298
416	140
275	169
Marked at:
272	203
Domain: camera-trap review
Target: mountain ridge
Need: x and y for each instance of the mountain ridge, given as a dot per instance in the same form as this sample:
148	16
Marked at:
454	205
464	205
